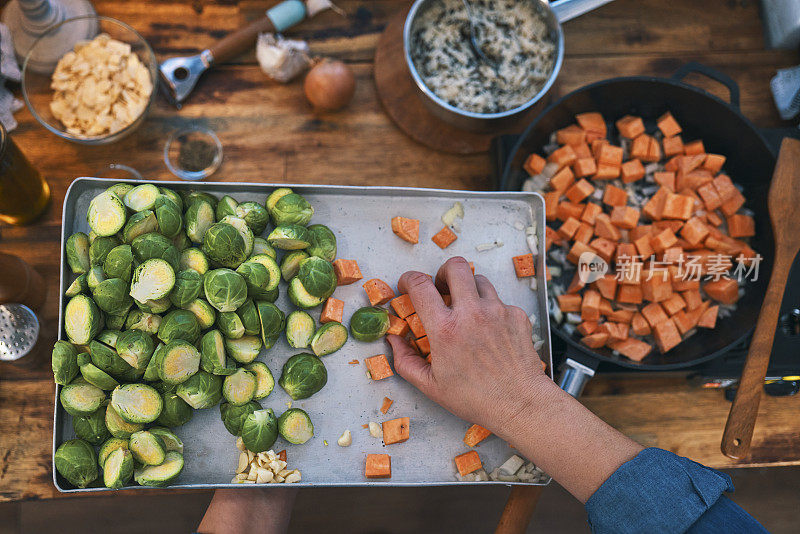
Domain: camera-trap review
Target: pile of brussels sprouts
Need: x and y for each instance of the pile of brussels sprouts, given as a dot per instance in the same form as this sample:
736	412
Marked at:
172	303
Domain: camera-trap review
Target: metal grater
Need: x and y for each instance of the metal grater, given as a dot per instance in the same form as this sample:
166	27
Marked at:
19	330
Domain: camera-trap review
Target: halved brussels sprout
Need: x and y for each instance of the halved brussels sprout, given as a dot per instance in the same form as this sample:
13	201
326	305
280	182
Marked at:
142	197
78	286
64	362
100	247
155	307
244	231
248	313
275	196
154	245
181	241
107	359
118	468
168	215
224	244
272	268
74	460
160	475
257	278
112	297
303	375
80	398
226	206
106	214
292	209
152	280
179	324
272	322
317	277
77	252
260	430
151	371
291	264
135	347
302	298
295	426
171	441
240	387
233	417
116	322
290	237
119	427
369	323
141	223
261	246
173	196
119	263
202	390
94	375
243	350
144	321
203	312
300	327
323	242
212	353
94	277
137	403
82	320
109	446
91	428
225	290
198	219
178	362
147	448
254	214
265	382
195	259
329	338
230	325
120	190
190	197
176	412
108	337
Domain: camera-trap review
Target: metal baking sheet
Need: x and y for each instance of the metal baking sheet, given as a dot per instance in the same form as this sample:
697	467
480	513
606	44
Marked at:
360	218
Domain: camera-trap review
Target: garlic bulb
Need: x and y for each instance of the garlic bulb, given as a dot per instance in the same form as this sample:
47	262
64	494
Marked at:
282	59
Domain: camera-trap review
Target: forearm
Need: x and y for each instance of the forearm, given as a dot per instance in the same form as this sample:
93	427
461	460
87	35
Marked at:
248	510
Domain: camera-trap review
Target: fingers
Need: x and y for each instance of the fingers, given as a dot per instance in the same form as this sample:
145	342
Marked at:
427	301
485	288
410	365
457	275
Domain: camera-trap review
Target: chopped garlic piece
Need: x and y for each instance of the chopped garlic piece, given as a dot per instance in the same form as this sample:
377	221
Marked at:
483	247
317	6
519	225
450	216
375	430
345	439
512	465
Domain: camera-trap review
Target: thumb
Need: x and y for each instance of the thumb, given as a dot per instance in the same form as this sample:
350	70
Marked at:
411	365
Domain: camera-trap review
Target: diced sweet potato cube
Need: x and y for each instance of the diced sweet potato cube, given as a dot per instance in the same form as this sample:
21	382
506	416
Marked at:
632	348
670	224
714	163
614	196
732	205
631	294
566	210
663	240
550	238
665	179
615	331
674	304
378	367
402	306
630	126
579	191
590	212
534	164
424	345
571	135
605	228
584	167
415	324
378	466
639	231
709	318
653	152
347	272
333	310
564	156
396	430
605	308
643	246
654	207
692	298
694	231
576	284
397	326
386	404
626	253
621	316
604	248
689	162
741	226
608	155
590	305
710	196
694	148
475	434
686	183
444	237
639	147
562	180
569	303
668	125
656	289
654	314
523	264
597	145
587	327
631	171
593	123
584	234
406	229
551	204
671	165
724	290
607	286
639	325
582	151
606	172
685	321
673	146
725	187
596	340
577	249
667	335
626	217
678	207
468	462
378	291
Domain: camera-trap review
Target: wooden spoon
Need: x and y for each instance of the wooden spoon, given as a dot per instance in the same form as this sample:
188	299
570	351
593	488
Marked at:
519	509
783	203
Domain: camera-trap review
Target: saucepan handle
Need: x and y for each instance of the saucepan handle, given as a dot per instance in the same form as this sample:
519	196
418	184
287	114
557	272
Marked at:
698	68
574	377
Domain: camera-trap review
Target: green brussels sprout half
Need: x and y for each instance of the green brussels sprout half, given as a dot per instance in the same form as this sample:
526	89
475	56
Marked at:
179	324
77	252
109	446
116	322
261	246
224	245
323	242
155	307
151	371
95	376
82	320
233	417
78	286
275	196
100	247
106	214
300	327
303	375
272	322
240	387
203	312
171	441
112	297
119	263
147	448
291	237
64	362
80	398
291	264
257	278
292	209
120	190
226	206
272	267
329	338
75	461
190	197
248	313
369	323
135	347
230	325
168	215
142	197
254	214
173	196
152	280
181	241
118	468
225	290
188	286
260	430
265	382
300	297
107	359
154	245
198	219
243	350
160	475
137	403
141	223
144	321
94	277
212	353
178	362
109	337
317	277
295	426
202	390
195	259
91	428
176	412
119	427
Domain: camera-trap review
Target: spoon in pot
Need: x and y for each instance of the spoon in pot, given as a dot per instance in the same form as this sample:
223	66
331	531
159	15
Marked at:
473	38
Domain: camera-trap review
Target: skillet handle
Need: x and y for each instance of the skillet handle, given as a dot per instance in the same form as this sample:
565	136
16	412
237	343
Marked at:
574	377
714	74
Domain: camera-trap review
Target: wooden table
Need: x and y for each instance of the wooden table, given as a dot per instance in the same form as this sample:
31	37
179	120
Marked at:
269	134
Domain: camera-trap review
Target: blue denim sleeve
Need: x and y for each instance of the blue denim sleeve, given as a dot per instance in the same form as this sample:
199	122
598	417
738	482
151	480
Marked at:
658	491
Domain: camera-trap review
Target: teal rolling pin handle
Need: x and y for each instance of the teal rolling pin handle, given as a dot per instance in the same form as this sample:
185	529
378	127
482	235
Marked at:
287	14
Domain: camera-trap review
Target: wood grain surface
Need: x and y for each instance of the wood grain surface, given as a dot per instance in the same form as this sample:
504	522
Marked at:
270	134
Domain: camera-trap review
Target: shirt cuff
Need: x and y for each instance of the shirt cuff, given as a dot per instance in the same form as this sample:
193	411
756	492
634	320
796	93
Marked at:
657	491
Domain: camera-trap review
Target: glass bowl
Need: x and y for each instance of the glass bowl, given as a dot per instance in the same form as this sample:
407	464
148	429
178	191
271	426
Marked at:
41	60
193	153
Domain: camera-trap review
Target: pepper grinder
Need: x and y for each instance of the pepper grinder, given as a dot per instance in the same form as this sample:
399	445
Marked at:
29	19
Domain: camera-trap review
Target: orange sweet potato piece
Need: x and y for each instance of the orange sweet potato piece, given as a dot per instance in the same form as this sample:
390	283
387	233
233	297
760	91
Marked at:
569	303
673	146
608	155
579	191
621	316
378	367
587	327
653	152
663	240
396	430
626	217
724	290
424	345
562	180
643	246
615	331
468	462
654	314
725	187
584	234
333	310
711	199
630	126
692	298
387	403
378	291
567	229
631	294
667	335
402	306
347	272
656	289
654	207
584	167
605	228
741	226
596	340
590	305
668	125
614	196
631	171
563	156
475	434
714	163
523	264
593	123
590	212
550	237
551	204
378	466
576	285
582	151
566	210
415	324
694	148
674	304
694	231
534	164
732	205
640	147
678	207
632	348
406	229
709	318
607	286
604	248
639	325
571	135
397	326
605	308
444	237
606	172
665	179
574	254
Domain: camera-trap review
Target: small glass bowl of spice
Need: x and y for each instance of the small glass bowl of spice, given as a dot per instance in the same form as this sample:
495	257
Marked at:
193	153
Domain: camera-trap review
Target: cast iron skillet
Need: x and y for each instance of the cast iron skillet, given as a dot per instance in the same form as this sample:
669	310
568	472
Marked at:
724	130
